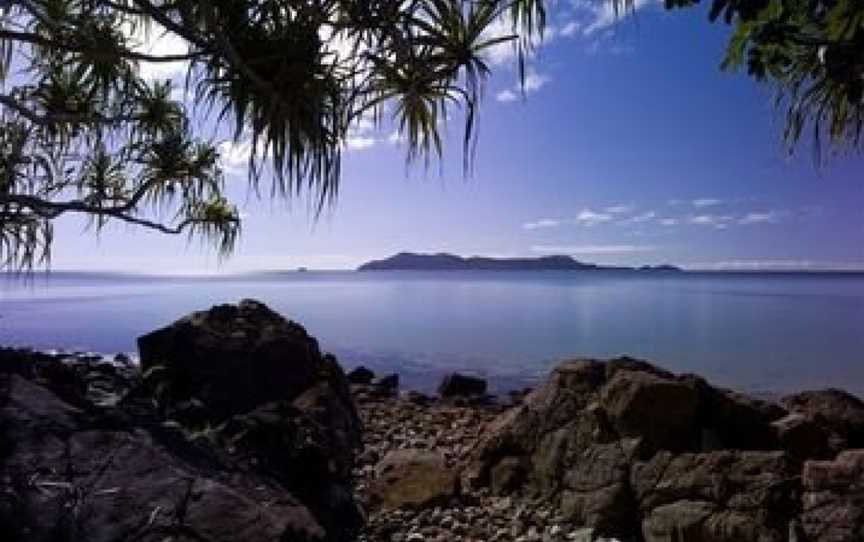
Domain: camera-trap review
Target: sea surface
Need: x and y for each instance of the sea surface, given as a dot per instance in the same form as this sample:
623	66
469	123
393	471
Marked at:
762	333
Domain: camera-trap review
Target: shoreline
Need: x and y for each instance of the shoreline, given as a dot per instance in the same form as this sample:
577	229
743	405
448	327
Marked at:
239	407
425	382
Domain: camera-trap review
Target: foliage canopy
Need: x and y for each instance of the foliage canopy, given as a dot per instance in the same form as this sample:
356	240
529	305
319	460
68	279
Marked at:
812	51
83	132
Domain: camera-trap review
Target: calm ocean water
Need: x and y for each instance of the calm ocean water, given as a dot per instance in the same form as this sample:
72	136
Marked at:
757	332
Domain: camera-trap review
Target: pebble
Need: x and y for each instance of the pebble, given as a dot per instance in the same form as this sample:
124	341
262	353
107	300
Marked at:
392	423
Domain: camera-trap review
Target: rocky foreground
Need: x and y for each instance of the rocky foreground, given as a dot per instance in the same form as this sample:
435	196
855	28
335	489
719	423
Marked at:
236	427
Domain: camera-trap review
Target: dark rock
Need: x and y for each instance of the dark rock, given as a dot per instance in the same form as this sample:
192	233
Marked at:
387	386
507	475
412	479
721	496
840	413
738	421
834	499
66	479
661	410
417	398
802	437
78	463
459	385
617	446
234	358
361	375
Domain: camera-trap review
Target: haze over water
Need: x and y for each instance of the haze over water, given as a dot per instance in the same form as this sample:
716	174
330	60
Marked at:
764	333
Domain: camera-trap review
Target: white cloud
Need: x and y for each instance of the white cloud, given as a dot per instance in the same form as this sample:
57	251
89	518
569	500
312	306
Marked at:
717	221
234	156
640	218
587	217
504	52
533	82
159	42
669	222
766	217
780	265
362	134
506	95
357	142
618	209
570	28
706	202
591	249
604	14
542	223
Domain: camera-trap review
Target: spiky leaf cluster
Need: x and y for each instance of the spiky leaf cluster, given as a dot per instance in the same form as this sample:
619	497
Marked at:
83	132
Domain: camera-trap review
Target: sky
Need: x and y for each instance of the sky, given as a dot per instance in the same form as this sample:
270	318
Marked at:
629	146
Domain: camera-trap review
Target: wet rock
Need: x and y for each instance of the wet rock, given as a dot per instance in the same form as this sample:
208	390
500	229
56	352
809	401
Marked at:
801	436
85	455
738	496
459	385
234	358
840	413
736	420
507	475
834	498
387	386
67	478
412	478
661	410
361	375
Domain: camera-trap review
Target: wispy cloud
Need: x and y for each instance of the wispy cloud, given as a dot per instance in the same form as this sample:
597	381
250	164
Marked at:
717	221
780	265
760	217
158	41
619	209
506	95
639	219
605	14
669	221
706	202
234	156
587	217
533	82
591	249
542	223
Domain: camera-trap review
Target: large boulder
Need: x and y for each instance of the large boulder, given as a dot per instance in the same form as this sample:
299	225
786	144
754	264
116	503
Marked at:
660	410
834	498
725	496
232	359
217	458
459	385
66	477
412	479
235	357
837	412
578	439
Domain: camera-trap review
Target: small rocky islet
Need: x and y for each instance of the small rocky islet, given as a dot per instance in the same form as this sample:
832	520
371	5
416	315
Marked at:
236	427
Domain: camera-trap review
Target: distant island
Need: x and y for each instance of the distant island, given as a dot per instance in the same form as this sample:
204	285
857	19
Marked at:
409	261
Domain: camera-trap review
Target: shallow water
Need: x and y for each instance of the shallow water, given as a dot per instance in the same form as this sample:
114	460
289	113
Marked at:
758	332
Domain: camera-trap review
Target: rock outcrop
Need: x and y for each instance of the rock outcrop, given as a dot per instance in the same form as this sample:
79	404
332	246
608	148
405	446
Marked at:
834	498
636	452
252	437
459	385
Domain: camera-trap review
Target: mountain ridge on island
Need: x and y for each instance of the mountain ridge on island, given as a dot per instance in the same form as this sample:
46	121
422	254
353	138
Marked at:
410	261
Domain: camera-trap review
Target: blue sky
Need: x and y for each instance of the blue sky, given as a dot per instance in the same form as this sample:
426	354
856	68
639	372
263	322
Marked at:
632	147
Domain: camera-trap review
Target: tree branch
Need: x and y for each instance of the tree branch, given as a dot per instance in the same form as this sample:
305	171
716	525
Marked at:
29	37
